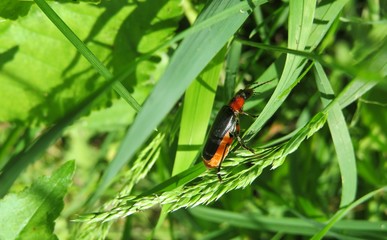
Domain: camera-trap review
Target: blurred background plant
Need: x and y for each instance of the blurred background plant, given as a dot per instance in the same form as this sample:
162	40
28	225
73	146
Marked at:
113	100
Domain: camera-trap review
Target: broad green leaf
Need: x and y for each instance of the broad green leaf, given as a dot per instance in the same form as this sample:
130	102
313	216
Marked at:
11	9
31	214
56	84
33	83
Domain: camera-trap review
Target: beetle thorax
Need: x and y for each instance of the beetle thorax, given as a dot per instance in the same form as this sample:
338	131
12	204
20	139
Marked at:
237	103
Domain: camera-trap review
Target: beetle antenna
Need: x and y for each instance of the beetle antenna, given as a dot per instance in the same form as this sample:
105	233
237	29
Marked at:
259	84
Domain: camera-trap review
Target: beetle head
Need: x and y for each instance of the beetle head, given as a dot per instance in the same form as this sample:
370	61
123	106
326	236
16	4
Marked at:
245	93
249	91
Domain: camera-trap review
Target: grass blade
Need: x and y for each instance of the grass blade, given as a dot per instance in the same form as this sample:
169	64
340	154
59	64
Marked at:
341	139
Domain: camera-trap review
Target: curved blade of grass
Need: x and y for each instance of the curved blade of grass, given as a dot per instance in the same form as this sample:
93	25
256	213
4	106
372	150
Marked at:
342	212
341	139
188	61
326	13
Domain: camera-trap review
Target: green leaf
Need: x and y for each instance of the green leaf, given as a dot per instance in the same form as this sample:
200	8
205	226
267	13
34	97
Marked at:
11	9
61	79
31	214
40	91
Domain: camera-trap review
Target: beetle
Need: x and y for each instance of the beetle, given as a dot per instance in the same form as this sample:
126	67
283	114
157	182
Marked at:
225	129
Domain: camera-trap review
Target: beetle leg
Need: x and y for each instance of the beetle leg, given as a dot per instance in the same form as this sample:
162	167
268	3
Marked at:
240	140
242	143
248	114
220	164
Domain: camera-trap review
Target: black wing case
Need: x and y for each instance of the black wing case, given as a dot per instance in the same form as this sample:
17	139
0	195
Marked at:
224	122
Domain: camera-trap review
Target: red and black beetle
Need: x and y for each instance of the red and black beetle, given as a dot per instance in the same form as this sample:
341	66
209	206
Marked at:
225	129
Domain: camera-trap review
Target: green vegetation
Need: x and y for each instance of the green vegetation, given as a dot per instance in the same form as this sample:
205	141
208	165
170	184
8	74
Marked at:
105	107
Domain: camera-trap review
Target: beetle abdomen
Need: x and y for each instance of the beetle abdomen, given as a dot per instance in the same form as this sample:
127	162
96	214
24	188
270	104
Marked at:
219	138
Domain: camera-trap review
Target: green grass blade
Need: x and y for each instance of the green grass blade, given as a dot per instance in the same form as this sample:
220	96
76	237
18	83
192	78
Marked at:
341	139
188	61
232	68
209	21
302	37
328	13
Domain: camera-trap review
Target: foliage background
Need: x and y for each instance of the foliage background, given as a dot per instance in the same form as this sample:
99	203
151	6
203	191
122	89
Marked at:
72	90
